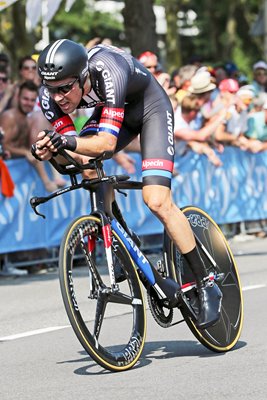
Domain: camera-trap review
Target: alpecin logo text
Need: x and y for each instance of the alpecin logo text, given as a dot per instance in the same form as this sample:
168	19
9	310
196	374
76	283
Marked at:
152	163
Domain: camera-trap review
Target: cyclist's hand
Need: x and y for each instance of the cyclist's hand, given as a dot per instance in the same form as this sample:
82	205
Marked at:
55	141
40	149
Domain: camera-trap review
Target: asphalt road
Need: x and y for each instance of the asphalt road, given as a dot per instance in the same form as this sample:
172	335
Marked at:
42	359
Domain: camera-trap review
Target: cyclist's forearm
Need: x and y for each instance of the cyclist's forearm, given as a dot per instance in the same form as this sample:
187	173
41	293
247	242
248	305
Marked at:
96	145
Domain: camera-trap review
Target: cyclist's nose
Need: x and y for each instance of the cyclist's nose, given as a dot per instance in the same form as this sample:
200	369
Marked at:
57	96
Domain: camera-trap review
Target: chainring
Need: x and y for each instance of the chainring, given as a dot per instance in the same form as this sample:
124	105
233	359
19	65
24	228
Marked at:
161	315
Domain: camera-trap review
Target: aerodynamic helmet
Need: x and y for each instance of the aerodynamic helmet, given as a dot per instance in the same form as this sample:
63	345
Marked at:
63	59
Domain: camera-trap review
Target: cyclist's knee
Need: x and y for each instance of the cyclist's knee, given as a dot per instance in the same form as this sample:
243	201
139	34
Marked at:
158	200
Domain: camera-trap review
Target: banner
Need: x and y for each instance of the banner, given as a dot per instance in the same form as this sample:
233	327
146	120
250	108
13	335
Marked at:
45	9
235	192
6	3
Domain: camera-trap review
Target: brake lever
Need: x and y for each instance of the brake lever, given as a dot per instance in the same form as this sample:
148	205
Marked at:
121	192
35	202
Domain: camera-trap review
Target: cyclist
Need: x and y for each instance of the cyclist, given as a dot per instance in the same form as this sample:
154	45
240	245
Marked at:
127	101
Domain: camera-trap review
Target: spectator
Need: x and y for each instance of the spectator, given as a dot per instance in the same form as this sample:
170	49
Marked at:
220	73
27	71
259	77
226	97
150	61
6	90
175	79
257	124
235	124
5	63
186	73
195	139
202	87
15	123
231	70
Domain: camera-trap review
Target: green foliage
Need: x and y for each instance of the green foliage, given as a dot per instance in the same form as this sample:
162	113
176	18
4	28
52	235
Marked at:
82	24
224	30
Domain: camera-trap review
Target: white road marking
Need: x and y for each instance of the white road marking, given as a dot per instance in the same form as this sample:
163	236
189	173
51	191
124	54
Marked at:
32	333
57	328
252	287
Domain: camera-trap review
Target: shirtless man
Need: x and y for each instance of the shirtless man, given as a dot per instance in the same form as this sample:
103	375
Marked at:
15	124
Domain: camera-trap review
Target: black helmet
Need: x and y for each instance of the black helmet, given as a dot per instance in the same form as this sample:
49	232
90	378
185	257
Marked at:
62	59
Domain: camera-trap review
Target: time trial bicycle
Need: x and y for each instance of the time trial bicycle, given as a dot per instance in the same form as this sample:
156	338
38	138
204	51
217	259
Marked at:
107	310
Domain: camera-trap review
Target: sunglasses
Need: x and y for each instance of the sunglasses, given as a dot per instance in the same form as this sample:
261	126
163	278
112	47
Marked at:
261	73
4	80
28	67
63	89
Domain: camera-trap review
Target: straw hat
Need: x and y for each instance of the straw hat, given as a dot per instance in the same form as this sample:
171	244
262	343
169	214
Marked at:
201	83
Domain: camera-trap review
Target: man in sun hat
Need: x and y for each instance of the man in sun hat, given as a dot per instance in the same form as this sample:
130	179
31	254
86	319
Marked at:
201	83
202	87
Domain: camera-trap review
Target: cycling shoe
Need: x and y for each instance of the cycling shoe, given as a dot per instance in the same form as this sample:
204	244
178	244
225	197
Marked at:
210	301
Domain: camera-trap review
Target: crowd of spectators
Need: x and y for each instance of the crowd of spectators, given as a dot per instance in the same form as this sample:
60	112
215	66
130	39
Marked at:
214	106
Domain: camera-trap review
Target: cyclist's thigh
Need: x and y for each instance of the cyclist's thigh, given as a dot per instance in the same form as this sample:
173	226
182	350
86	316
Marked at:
157	140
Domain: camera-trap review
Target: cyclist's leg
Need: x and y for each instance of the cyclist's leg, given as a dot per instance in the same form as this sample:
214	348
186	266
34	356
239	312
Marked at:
157	172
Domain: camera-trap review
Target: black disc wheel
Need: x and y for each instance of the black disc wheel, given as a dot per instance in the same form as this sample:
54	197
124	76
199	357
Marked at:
108	319
219	261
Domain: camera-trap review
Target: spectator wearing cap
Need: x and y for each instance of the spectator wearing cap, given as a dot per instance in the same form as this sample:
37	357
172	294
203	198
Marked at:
257	123
226	97
151	62
231	70
259	77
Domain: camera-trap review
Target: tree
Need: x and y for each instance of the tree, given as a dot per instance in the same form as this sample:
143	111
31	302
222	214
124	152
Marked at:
140	26
173	46
15	39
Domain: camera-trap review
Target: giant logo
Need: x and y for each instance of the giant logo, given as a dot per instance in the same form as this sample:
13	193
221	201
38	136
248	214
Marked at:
108	82
46	106
170	149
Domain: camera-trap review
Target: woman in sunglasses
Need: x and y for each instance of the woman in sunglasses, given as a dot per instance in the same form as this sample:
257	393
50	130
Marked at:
127	101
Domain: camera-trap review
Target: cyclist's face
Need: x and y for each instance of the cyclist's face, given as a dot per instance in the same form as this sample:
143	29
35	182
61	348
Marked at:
66	93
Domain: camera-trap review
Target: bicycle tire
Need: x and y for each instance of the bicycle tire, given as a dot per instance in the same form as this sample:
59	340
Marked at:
95	316
224	335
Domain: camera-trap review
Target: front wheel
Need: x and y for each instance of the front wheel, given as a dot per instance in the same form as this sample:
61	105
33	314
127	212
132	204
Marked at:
218	260
109	320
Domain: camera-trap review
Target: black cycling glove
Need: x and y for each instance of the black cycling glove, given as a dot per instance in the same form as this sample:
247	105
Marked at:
62	141
33	151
